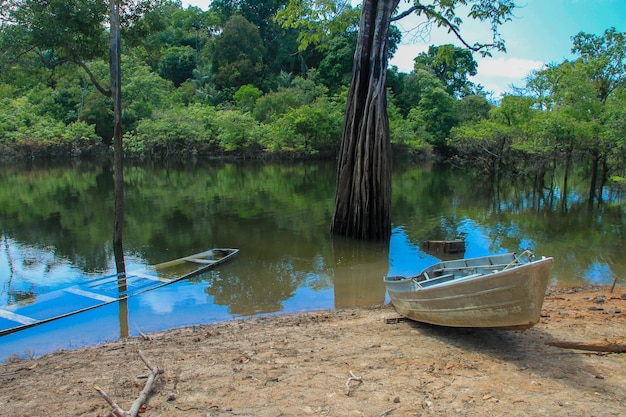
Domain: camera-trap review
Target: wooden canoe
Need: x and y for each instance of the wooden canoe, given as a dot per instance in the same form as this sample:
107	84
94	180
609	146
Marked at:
500	291
105	290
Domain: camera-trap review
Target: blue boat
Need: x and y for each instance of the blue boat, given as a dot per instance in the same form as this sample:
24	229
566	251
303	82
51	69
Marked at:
105	290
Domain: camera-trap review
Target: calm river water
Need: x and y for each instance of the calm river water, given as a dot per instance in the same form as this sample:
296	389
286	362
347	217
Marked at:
56	231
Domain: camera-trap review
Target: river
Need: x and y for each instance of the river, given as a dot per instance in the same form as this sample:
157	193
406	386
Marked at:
56	231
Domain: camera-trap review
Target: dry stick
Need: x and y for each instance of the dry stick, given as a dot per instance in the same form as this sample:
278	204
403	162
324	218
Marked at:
145	336
143	396
387	412
352	378
117	410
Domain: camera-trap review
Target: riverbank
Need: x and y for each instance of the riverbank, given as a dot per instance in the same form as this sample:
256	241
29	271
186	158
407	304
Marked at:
345	363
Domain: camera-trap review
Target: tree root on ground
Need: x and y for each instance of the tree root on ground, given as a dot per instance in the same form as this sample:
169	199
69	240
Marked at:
616	346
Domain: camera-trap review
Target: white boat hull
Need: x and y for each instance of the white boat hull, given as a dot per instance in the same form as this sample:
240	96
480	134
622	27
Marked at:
510	298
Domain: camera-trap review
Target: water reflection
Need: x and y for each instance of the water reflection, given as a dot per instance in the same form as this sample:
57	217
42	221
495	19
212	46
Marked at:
56	225
358	269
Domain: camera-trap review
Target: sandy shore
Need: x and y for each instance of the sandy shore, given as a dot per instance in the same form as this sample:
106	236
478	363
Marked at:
345	363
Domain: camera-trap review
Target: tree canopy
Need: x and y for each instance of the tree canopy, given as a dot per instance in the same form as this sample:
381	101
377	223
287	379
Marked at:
246	79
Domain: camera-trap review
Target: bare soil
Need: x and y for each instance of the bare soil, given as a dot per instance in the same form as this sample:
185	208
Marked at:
362	362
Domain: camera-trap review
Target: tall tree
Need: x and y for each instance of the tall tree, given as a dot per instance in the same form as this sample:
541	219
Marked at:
237	55
115	64
61	32
363	196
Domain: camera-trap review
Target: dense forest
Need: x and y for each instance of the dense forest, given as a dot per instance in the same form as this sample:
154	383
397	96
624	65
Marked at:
249	79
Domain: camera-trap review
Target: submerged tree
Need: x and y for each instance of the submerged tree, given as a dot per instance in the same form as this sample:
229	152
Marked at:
363	196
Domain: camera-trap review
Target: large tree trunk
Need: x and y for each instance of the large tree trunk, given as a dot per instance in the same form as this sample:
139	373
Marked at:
363	199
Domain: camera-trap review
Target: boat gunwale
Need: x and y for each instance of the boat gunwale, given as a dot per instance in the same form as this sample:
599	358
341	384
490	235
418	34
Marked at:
398	280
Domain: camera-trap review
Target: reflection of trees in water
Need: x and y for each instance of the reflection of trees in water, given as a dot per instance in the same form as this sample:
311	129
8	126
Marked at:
512	216
122	286
352	268
25	290
270	211
358	270
259	287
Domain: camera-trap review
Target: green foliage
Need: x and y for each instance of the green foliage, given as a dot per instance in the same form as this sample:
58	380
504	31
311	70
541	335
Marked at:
452	65
614	119
74	27
473	108
513	111
606	57
278	73
173	131
431	110
246	97
405	133
274	104
237	54
335	69
318	20
177	64
143	92
237	130
27	129
306	130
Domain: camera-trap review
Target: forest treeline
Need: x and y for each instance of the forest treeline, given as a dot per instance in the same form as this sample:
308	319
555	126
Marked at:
248	78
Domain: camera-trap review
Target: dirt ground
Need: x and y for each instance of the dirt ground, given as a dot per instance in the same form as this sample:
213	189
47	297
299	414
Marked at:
344	363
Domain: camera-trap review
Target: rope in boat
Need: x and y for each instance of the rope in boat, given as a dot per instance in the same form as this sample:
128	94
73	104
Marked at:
527	253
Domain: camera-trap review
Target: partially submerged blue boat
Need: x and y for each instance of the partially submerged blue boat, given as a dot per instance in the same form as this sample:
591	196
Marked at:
106	290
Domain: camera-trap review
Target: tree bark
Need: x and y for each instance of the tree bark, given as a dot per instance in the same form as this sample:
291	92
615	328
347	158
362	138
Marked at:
363	197
593	181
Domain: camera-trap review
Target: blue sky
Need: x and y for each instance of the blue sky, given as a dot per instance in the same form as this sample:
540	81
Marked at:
540	33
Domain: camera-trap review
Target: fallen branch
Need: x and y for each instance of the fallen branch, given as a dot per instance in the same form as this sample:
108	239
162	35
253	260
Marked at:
387	412
352	378
18	370
143	396
117	410
618	346
145	336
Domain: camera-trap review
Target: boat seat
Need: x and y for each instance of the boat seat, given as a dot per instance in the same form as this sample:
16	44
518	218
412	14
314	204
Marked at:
437	280
478	274
201	261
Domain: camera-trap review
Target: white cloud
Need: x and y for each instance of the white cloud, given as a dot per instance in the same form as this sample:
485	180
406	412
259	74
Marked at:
495	74
404	56
507	67
500	74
